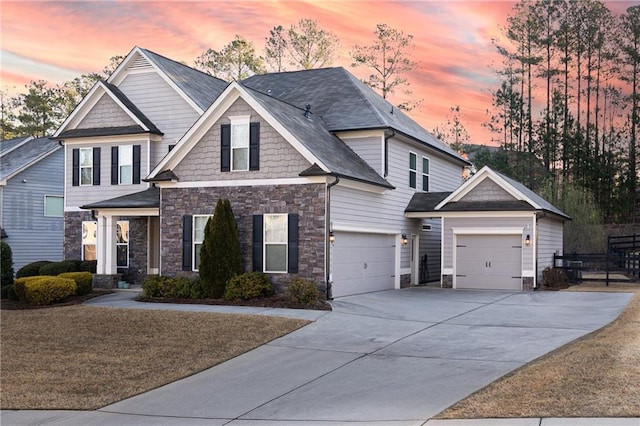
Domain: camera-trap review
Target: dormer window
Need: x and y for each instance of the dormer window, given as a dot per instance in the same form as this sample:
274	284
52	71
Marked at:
239	145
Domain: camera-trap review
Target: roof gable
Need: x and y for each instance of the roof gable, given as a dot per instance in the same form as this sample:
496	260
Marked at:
25	155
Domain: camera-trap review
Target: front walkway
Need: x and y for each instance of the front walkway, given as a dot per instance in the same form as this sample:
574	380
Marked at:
394	358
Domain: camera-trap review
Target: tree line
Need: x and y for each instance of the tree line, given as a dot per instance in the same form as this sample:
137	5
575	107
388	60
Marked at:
303	45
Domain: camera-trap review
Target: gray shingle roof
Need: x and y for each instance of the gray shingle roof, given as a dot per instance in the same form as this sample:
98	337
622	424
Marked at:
544	204
143	199
425	201
101	131
314	135
9	144
344	103
134	109
14	161
202	88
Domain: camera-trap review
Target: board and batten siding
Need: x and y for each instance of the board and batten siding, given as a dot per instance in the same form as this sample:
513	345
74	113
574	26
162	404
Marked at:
161	104
77	196
488	223
369	210
32	235
549	243
278	158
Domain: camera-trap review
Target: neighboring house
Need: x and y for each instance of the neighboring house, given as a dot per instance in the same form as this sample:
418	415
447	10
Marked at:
319	170
497	234
31	198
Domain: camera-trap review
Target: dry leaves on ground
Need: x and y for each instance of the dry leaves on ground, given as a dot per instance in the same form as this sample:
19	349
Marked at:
82	357
595	376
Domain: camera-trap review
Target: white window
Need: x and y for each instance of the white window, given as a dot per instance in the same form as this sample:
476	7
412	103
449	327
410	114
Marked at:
240	143
413	169
122	244
89	240
86	166
125	164
425	174
53	205
275	243
199	223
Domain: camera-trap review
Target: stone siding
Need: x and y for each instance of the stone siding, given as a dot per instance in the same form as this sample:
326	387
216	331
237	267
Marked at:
278	158
447	281
73	233
308	201
487	190
527	283
106	113
405	280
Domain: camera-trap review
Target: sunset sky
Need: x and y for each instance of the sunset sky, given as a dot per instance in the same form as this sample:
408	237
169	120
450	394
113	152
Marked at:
59	40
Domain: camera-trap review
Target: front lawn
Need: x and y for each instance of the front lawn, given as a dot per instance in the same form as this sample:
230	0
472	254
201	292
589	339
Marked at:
595	376
83	358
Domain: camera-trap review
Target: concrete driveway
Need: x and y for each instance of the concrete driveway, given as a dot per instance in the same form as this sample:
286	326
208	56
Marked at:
393	357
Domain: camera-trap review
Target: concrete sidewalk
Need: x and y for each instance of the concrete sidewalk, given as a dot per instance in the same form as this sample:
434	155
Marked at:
393	358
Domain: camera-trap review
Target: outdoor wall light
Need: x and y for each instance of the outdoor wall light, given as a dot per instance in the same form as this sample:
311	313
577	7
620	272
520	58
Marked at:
404	239
527	240
332	237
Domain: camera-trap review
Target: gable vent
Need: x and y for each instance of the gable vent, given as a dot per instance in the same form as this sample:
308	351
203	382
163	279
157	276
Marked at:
139	63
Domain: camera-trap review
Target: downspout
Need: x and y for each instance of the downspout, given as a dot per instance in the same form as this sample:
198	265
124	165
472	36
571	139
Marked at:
386	153
326	240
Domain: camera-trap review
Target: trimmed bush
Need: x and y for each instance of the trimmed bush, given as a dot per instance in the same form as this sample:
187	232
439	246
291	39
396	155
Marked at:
57	268
6	265
47	290
172	287
303	291
250	285
88	266
20	289
32	269
83	280
554	278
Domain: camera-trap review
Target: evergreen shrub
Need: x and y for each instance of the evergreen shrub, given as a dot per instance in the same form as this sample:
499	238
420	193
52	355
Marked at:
32	269
300	290
47	289
83	280
6	265
250	285
57	268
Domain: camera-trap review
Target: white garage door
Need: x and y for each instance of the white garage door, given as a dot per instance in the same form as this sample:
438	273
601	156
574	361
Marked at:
489	262
362	263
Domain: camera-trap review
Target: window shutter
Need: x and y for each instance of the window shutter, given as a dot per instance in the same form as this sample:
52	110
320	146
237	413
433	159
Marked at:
136	164
257	243
225	147
187	221
254	146
96	166
114	165
293	243
76	167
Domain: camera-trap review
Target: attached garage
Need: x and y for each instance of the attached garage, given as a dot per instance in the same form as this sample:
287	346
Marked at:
488	261
362	262
496	233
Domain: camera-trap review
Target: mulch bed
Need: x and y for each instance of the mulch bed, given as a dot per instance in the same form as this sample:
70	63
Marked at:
277	301
9	305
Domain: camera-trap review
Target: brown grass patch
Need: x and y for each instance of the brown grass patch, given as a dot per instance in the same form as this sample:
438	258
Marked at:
84	358
595	376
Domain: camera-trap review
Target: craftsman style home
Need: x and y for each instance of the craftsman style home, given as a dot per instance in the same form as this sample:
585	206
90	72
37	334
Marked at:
318	168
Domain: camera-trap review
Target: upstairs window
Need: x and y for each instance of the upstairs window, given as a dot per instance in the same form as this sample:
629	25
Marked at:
239	145
86	166
125	164
413	169
425	174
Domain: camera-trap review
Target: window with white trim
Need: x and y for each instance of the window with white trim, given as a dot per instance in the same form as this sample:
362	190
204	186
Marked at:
122	244
125	164
275	243
86	166
199	224
425	174
239	143
413	169
89	240
53	205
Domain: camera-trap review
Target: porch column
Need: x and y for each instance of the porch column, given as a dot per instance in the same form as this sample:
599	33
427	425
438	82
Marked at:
106	246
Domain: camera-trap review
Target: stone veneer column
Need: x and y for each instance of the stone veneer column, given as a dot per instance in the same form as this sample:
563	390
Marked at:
447	281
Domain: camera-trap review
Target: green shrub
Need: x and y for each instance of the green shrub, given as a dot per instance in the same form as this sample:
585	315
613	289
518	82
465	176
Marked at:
83	280
250	285
172	287
554	277
47	290
6	265
32	269
303	291
57	268
88	266
19	287
4	291
12	295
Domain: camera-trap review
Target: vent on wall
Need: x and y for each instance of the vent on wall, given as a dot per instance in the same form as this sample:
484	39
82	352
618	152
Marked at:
426	227
139	63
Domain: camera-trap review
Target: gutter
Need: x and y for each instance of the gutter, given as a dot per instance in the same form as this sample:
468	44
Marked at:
327	249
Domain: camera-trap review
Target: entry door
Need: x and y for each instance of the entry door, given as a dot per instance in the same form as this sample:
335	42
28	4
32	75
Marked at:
491	262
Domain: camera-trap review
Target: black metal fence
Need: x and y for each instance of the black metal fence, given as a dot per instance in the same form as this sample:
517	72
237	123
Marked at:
577	264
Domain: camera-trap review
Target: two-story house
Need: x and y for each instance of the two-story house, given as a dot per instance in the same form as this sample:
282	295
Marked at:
319	170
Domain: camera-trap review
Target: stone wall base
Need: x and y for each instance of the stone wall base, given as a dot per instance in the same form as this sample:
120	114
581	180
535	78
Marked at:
527	283
447	281
106	281
405	280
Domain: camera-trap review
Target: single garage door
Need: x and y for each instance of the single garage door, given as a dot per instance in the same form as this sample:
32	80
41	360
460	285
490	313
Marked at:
362	263
489	262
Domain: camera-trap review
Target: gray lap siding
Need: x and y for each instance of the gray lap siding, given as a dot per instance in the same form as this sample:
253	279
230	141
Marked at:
308	201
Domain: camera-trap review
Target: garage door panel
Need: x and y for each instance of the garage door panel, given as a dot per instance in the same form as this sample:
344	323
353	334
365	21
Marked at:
362	263
489	262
